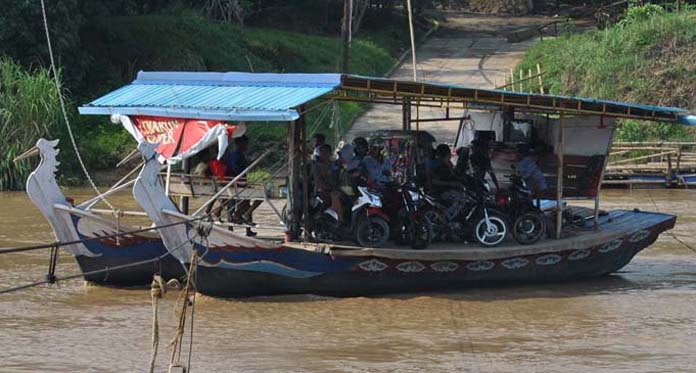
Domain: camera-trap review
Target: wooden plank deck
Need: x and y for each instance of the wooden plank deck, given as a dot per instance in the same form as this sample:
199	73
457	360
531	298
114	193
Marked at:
615	225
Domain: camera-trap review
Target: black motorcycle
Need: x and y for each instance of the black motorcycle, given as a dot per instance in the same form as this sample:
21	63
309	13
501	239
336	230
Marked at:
467	213
411	226
528	221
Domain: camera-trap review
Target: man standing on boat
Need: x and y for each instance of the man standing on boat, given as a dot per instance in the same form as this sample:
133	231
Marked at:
236	164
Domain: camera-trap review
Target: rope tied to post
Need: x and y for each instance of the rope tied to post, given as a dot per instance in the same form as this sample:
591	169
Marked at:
157	290
53	262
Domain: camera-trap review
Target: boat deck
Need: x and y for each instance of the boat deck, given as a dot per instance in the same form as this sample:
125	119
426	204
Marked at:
613	225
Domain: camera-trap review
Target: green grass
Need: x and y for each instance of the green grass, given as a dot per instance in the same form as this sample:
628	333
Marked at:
646	61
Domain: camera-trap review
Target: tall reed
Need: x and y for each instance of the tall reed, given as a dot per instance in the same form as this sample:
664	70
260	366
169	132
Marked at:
29	109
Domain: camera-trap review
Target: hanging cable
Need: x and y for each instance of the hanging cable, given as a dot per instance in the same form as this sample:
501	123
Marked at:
64	111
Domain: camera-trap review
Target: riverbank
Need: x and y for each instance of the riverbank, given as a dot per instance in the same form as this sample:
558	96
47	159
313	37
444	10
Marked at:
644	58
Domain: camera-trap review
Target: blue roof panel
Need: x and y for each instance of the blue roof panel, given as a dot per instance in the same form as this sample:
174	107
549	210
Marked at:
223	96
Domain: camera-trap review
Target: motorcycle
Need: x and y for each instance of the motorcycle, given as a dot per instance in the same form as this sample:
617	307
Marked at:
365	223
468	213
411	226
529	222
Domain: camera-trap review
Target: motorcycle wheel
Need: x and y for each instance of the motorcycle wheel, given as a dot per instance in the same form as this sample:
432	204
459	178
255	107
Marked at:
422	234
493	235
529	227
372	232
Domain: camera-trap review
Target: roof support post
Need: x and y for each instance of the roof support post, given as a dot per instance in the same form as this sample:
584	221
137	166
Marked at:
294	157
406	114
559	179
305	172
184	201
601	176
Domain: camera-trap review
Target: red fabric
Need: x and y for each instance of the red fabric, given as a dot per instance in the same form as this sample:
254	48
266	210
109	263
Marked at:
218	168
175	135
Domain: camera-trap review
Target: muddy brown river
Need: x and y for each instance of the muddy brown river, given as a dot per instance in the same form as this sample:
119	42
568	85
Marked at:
641	319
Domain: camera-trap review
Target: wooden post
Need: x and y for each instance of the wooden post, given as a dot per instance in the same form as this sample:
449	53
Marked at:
541	82
345	33
521	81
184	201
406	114
512	80
305	173
168	179
294	179
601	177
559	179
669	169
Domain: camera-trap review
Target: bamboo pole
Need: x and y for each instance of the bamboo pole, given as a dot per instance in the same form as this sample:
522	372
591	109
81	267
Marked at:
521	80
512	80
559	179
413	42
541	82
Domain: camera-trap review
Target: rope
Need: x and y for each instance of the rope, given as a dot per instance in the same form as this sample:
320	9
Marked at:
64	111
10	250
157	290
686	245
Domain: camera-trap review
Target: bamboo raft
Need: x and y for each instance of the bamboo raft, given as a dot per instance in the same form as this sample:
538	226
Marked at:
651	164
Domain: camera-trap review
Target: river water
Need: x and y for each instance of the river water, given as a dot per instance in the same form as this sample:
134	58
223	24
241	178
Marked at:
642	319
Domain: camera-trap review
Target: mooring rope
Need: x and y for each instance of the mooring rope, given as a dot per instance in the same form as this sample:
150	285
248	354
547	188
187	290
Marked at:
686	245
157	290
64	111
9	250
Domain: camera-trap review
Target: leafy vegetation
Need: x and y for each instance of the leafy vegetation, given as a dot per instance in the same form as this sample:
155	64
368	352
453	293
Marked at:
646	58
107	42
29	109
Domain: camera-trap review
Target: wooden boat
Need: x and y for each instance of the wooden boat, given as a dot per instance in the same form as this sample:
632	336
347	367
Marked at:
232	265
98	250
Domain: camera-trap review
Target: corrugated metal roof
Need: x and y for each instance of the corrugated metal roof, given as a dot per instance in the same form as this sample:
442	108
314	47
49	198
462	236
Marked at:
394	90
222	96
273	97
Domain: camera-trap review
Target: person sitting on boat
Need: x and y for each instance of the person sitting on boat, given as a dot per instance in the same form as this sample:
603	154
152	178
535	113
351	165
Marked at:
360	147
377	169
236	164
443	178
318	139
461	169
481	162
325	184
528	168
349	174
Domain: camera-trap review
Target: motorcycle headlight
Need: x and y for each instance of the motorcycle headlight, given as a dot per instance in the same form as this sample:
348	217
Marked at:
415	197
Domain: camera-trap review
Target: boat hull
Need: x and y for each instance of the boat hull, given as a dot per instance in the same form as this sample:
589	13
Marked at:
124	252
290	270
131	275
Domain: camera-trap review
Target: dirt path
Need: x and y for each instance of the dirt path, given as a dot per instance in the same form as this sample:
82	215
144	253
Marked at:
469	49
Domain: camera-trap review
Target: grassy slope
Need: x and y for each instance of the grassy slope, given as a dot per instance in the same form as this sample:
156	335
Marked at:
122	46
650	61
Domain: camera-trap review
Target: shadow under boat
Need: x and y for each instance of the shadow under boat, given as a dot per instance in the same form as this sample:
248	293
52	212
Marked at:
104	258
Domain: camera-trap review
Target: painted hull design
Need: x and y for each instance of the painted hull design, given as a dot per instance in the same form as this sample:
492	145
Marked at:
112	252
230	272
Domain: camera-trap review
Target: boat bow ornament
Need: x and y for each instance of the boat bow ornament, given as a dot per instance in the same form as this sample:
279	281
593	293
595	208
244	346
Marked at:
44	192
